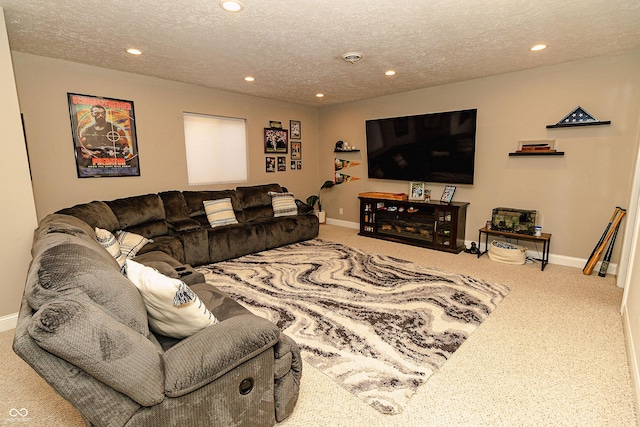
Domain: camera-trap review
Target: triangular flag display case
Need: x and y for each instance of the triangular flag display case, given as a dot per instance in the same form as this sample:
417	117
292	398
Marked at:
578	117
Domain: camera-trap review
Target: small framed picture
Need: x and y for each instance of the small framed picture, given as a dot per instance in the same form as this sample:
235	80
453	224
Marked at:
416	191
270	164
296	150
295	127
275	125
282	164
447	194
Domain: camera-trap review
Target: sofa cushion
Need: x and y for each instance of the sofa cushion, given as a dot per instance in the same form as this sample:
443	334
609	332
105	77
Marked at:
151	229
171	245
284	204
184	225
87	337
256	195
175	206
236	240
219	212
96	214
66	266
130	243
174	309
136	210
111	244
67	224
195	201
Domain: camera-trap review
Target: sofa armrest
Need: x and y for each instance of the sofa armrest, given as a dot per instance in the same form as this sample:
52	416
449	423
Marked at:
216	350
303	208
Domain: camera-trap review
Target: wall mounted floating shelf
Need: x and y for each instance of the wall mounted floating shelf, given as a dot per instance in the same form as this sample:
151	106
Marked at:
578	124
578	117
533	153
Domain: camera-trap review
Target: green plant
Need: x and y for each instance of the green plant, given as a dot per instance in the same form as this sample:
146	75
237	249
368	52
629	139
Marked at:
315	198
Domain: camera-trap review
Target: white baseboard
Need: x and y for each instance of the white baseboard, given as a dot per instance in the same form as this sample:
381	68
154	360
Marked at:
633	361
8	322
341	223
553	259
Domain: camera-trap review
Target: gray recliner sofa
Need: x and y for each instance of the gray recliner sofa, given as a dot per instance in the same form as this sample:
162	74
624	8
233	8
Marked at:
83	325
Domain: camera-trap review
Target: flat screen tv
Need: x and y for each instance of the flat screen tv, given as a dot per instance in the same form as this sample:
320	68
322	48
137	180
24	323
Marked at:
438	147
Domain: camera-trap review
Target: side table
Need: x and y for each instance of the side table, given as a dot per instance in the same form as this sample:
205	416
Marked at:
544	238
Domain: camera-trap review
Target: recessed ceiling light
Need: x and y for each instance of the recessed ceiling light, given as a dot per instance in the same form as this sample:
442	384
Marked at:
133	51
319	95
249	79
389	73
539	47
231	5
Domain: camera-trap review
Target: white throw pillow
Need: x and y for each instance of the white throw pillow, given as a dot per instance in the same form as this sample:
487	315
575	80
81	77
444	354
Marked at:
130	243
174	309
109	242
219	212
284	204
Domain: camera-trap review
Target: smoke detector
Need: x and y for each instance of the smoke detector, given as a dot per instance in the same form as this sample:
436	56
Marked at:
352	57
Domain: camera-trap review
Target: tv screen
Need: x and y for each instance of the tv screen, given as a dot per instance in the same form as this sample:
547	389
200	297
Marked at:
438	147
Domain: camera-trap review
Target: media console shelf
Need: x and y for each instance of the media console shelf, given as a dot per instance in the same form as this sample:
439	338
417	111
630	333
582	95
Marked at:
433	225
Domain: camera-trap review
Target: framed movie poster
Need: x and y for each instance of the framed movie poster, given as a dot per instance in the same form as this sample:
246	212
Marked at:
276	140
104	136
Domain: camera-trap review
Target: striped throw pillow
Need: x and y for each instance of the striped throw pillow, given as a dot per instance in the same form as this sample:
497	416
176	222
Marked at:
219	212
109	242
284	204
130	243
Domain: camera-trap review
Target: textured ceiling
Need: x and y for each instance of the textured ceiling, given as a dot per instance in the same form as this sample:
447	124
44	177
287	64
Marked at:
294	48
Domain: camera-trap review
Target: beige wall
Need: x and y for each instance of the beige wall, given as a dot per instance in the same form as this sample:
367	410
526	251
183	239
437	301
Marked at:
575	194
43	84
17	215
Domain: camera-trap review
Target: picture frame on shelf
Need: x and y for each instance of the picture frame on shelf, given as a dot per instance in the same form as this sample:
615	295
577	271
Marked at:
295	127
276	140
416	191
447	193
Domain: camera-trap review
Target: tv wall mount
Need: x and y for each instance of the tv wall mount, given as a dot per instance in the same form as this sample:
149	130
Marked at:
578	117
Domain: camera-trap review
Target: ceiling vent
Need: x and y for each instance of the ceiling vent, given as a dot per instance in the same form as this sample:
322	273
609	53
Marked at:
352	57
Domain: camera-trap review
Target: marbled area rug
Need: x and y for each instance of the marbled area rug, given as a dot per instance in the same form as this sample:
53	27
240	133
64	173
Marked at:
378	325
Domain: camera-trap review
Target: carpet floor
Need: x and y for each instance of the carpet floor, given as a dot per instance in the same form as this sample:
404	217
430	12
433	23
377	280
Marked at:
378	325
551	354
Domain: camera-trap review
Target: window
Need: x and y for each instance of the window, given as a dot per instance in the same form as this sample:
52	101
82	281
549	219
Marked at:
216	149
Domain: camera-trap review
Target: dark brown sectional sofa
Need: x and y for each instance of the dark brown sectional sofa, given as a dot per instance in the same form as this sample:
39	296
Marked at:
83	325
177	223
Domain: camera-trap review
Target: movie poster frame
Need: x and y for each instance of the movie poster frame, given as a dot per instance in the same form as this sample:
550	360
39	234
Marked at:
121	114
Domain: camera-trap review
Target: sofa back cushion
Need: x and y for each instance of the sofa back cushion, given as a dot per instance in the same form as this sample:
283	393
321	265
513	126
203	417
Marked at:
256	201
96	214
175	206
142	215
256	195
195	204
87	337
